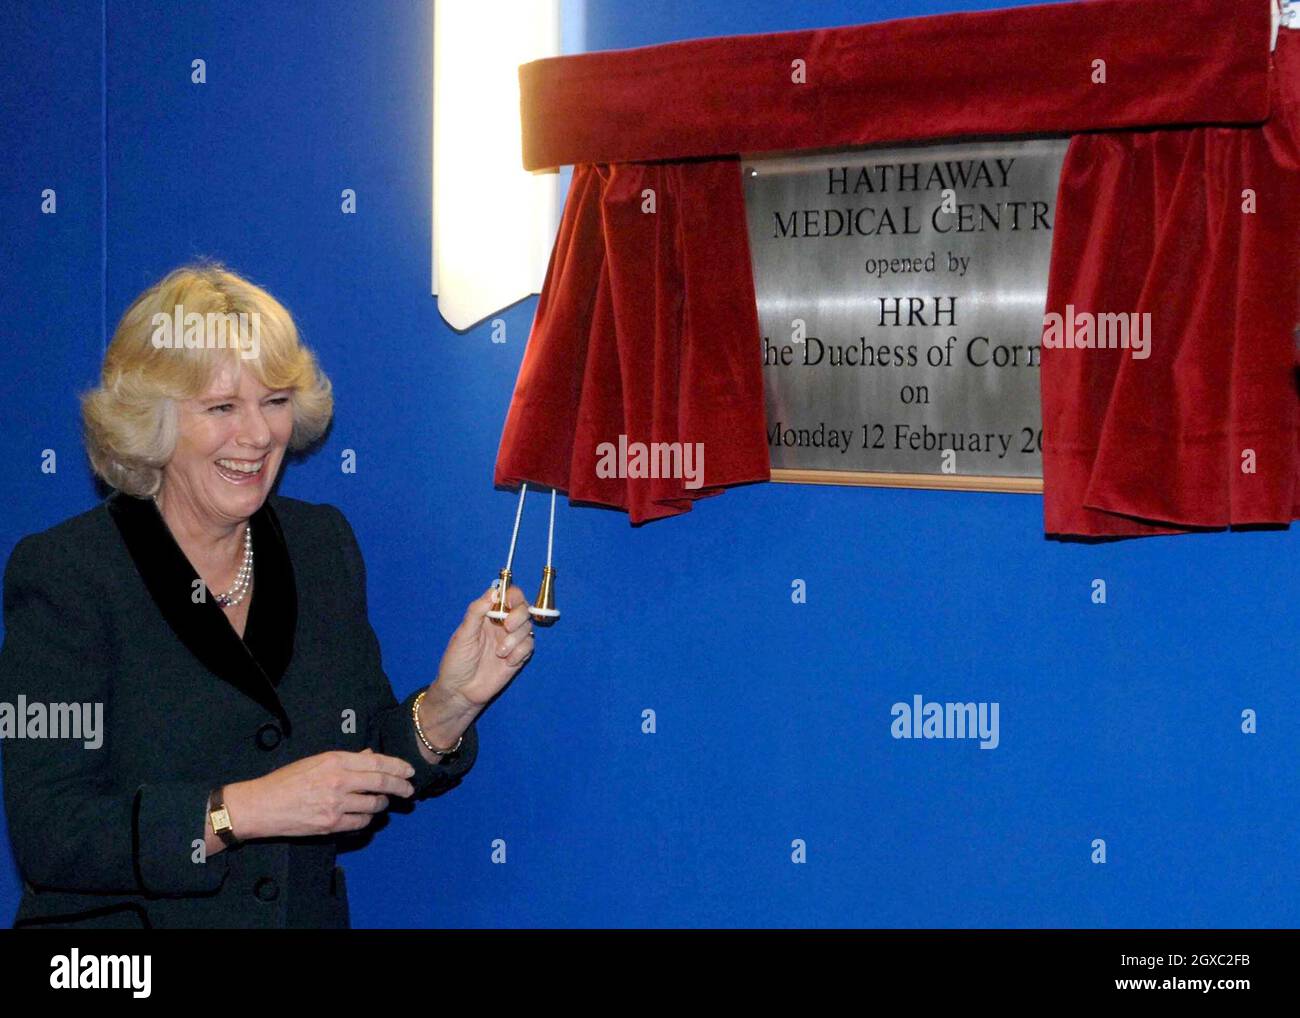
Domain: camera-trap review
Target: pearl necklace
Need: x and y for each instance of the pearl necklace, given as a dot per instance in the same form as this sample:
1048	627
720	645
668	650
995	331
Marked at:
239	591
243	578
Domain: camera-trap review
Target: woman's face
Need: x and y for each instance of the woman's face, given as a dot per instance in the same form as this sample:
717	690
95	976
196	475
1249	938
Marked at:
231	443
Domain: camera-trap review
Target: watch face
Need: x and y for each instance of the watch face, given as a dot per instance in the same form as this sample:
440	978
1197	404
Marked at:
220	820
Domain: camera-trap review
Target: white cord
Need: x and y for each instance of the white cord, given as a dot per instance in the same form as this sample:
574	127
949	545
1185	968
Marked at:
550	533
519	510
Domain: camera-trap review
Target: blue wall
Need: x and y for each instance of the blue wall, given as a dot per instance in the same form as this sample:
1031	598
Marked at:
1119	721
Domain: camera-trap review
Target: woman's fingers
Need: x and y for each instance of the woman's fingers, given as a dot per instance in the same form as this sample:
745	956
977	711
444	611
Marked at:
376	772
519	627
476	611
352	822
518	624
523	652
516	647
478	608
518	614
357	803
378	782
368	760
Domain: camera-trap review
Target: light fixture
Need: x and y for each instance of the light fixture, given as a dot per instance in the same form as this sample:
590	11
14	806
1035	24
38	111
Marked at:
494	223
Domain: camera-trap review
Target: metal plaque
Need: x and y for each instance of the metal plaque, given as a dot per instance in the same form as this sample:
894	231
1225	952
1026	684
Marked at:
901	296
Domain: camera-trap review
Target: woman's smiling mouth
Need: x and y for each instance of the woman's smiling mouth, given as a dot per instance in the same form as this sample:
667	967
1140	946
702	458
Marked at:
240	471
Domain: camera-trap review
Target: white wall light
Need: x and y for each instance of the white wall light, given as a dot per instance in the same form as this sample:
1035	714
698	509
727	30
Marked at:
494	223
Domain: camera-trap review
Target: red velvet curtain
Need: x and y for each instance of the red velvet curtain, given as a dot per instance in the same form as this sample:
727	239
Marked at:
1205	432
646	327
646	335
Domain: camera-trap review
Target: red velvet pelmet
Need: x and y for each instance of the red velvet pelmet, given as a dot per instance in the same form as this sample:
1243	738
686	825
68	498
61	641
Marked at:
1014	71
646	332
1205	432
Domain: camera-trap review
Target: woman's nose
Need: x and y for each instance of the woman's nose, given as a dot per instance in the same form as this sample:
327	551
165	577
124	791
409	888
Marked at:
255	432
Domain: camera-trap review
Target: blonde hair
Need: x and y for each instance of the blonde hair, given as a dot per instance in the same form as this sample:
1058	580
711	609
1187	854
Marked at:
130	419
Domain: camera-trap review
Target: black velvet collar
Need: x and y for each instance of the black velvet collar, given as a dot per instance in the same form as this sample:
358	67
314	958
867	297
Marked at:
255	664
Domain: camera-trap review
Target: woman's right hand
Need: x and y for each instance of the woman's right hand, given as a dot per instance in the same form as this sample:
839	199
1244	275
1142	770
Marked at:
322	794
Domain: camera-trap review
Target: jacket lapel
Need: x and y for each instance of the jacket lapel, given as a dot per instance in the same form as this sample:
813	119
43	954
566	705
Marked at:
252	665
273	615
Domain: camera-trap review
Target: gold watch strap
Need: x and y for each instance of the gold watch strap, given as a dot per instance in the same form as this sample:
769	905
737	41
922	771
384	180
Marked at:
219	817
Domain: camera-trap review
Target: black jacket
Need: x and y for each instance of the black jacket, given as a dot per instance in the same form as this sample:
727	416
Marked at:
99	610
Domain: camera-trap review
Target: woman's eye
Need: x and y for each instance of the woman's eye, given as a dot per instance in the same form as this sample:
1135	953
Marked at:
279	400
221	407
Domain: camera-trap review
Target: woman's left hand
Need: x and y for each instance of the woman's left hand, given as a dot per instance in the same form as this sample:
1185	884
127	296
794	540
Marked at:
482	657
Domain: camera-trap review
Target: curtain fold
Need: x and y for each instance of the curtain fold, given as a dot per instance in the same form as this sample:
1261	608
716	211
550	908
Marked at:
641	387
1205	431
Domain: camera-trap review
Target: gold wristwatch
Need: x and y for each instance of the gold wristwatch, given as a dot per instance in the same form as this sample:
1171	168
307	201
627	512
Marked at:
220	818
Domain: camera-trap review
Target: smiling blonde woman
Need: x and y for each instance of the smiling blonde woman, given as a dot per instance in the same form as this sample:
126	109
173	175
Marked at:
248	725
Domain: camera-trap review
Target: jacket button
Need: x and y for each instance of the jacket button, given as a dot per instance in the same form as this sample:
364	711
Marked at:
266	889
268	736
